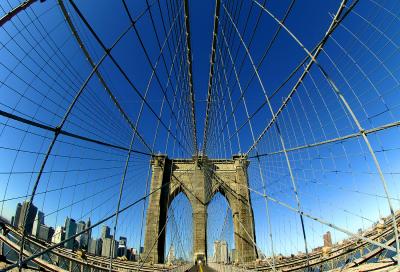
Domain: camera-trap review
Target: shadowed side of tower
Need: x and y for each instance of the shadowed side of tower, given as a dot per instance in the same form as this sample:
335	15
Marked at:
154	243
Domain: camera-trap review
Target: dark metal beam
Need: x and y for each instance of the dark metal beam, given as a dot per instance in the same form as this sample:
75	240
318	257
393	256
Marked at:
66	133
24	5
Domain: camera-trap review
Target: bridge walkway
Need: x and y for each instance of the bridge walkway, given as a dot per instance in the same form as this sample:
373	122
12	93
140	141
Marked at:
202	268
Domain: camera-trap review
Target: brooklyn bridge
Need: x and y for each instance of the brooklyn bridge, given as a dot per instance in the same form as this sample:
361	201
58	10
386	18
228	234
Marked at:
183	135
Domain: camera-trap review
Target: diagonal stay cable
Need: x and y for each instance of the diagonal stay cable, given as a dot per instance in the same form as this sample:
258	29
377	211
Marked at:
294	71
290	168
56	134
120	69
98	74
342	99
9	15
265	54
190	74
300	211
211	73
66	133
330	141
312	59
146	53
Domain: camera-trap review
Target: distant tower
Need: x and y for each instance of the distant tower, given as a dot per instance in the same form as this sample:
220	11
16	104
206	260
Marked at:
171	255
89	233
224	252
70	230
59	235
30	216
80	226
17	215
217	251
39	220
327	239
109	246
95	246
122	249
81	239
105	232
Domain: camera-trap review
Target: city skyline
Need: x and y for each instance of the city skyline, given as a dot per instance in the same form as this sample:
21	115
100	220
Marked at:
37	228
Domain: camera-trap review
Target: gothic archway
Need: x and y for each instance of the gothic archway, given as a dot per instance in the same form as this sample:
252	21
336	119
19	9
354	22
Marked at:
220	230
179	237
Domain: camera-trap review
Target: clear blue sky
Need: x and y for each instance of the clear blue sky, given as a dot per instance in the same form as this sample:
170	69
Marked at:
338	182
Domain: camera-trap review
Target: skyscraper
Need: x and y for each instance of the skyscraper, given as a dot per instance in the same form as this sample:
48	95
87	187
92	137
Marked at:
105	232
122	250
89	233
221	251
95	246
327	239
17	215
133	254
80	226
107	248
81	239
30	216
171	255
233	256
39	220
58	235
45	233
122	241
224	252
217	251
70	230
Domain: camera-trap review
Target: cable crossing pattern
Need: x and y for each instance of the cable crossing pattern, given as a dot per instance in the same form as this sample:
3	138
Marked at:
114	154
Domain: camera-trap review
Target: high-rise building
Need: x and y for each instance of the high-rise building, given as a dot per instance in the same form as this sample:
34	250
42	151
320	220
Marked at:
133	254
17	215
171	255
89	233
327	239
217	251
39	220
221	251
81	239
233	256
59	235
109	245
122	241
224	252
45	233
70	230
122	250
105	232
29	214
80	226
95	246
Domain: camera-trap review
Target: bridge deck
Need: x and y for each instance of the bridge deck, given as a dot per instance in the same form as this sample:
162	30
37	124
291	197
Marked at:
376	267
202	268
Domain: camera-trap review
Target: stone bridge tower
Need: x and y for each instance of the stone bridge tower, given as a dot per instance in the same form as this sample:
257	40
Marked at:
199	179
